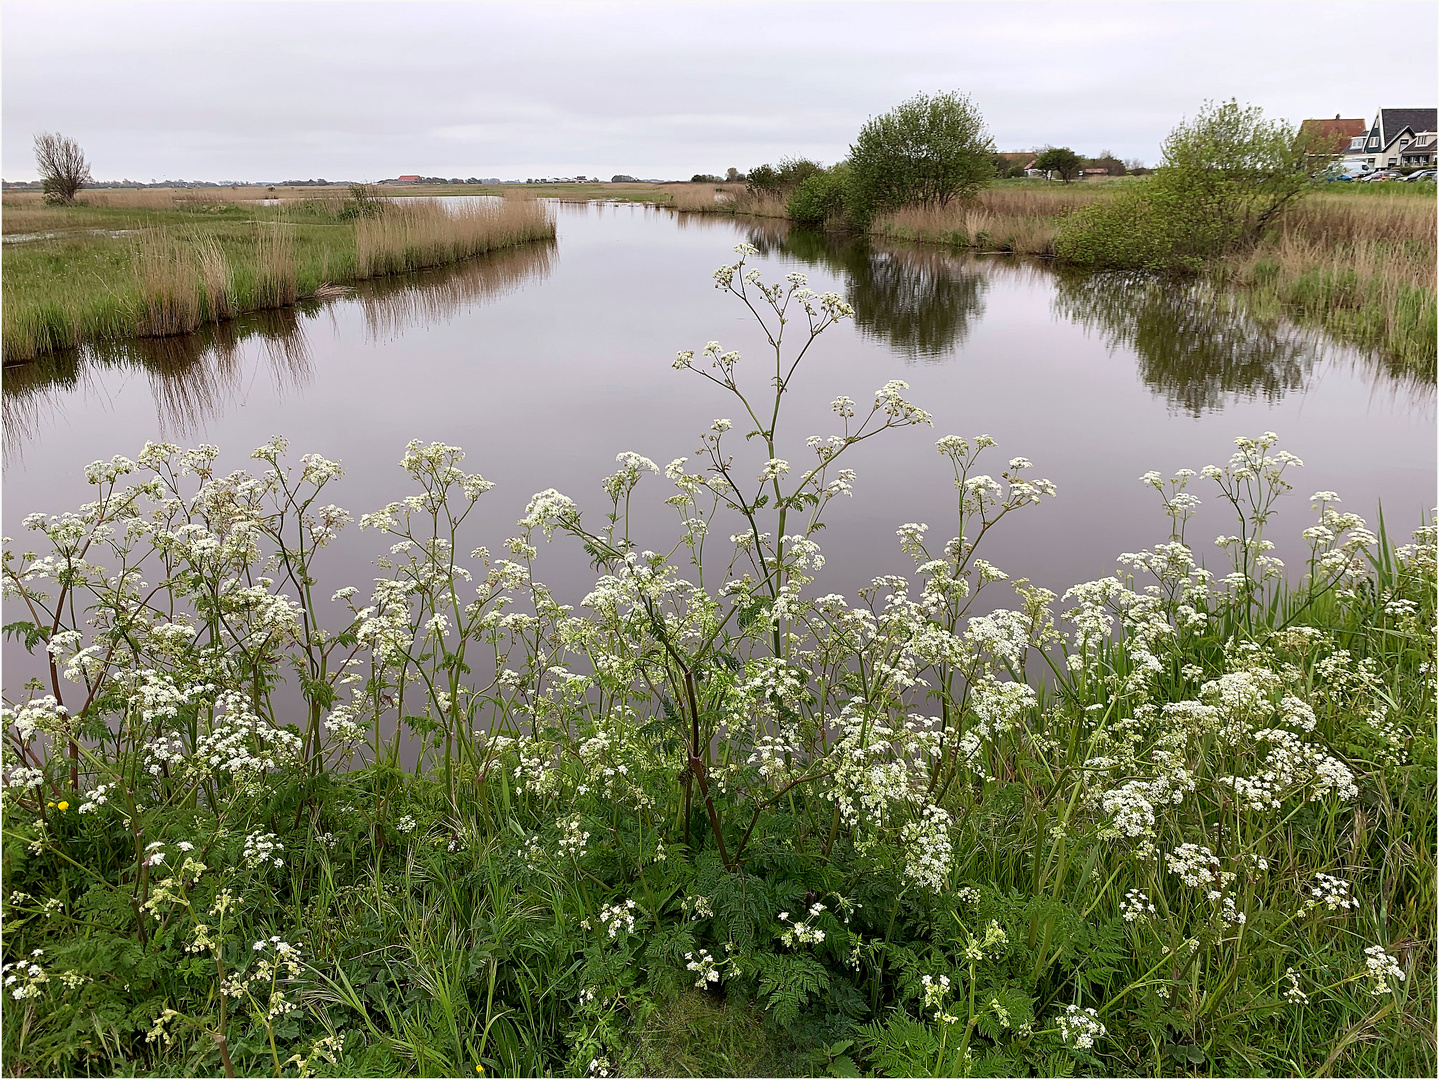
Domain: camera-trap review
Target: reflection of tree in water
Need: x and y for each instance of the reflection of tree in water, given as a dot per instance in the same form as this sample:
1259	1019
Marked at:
1195	349
921	301
193	377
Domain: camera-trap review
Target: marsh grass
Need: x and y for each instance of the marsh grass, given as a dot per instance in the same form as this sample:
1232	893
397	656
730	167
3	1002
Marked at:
420	233
107	272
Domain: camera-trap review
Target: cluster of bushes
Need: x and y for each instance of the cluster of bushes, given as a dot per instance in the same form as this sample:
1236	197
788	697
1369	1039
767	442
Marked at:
1226	176
929	151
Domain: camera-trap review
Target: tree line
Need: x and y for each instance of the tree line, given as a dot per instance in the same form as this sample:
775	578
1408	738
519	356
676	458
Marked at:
1226	176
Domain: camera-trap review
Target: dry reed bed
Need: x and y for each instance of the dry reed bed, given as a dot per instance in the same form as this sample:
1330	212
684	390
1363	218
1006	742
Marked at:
420	233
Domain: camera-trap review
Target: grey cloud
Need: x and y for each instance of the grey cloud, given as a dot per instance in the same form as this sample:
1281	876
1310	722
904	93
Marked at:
272	90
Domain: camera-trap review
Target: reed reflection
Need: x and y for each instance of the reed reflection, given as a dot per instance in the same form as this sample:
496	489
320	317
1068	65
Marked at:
392	305
195	378
1196	349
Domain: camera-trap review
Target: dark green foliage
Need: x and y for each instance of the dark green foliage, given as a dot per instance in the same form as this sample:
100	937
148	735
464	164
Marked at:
820	197
782	179
927	151
1061	160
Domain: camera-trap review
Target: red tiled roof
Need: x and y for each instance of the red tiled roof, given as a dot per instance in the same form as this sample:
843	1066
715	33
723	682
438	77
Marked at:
1348	129
414	176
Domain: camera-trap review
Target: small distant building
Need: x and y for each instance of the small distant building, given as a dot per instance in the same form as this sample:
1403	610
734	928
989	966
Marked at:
1086	174
410	179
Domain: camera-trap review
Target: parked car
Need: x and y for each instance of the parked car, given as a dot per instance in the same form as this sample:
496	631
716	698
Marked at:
1422	174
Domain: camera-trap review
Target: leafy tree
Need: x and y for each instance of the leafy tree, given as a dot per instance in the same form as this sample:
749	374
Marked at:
927	150
764	178
1226	177
732	174
1061	160
1106	161
785	178
63	168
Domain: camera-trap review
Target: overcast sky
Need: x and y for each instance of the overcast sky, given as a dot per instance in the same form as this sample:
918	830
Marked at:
274	91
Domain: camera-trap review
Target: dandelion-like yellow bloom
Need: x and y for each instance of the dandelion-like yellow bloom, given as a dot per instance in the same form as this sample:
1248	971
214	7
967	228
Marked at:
64	806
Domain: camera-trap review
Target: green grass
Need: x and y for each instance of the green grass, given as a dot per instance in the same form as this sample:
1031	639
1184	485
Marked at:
86	285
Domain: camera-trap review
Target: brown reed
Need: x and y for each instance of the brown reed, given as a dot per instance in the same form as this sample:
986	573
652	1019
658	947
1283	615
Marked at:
170	296
217	280
276	276
419	233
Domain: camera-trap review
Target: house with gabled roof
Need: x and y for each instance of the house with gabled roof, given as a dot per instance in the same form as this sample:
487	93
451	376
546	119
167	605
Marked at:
1338	133
1420	153
1393	130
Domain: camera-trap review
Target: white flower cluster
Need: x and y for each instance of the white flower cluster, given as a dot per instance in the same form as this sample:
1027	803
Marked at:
1294	992
43	714
617	917
25	978
934	990
574	838
928	849
705	969
263	848
1331	892
1196	865
1381	968
1080	1028
802	932
1136	906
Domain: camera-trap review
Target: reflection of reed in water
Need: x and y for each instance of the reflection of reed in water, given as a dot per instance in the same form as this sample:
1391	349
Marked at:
192	376
391	305
1195	347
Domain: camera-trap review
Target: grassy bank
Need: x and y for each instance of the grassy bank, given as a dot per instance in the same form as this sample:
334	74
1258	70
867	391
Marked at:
1356	260
157	263
715	818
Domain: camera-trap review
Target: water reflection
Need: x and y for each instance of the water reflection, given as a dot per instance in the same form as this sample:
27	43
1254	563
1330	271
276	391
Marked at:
1194	348
921	301
194	378
392	305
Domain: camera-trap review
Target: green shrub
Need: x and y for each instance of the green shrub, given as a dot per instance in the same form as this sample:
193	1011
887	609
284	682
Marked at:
1226	177
820	197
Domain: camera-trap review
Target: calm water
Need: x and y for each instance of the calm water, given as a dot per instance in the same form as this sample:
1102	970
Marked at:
546	362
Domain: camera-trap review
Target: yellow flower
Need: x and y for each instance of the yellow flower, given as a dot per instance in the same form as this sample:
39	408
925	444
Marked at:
64	805
479	1069
51	805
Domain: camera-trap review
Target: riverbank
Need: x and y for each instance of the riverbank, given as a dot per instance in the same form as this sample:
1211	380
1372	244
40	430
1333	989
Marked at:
1219	814
156	263
1357	261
